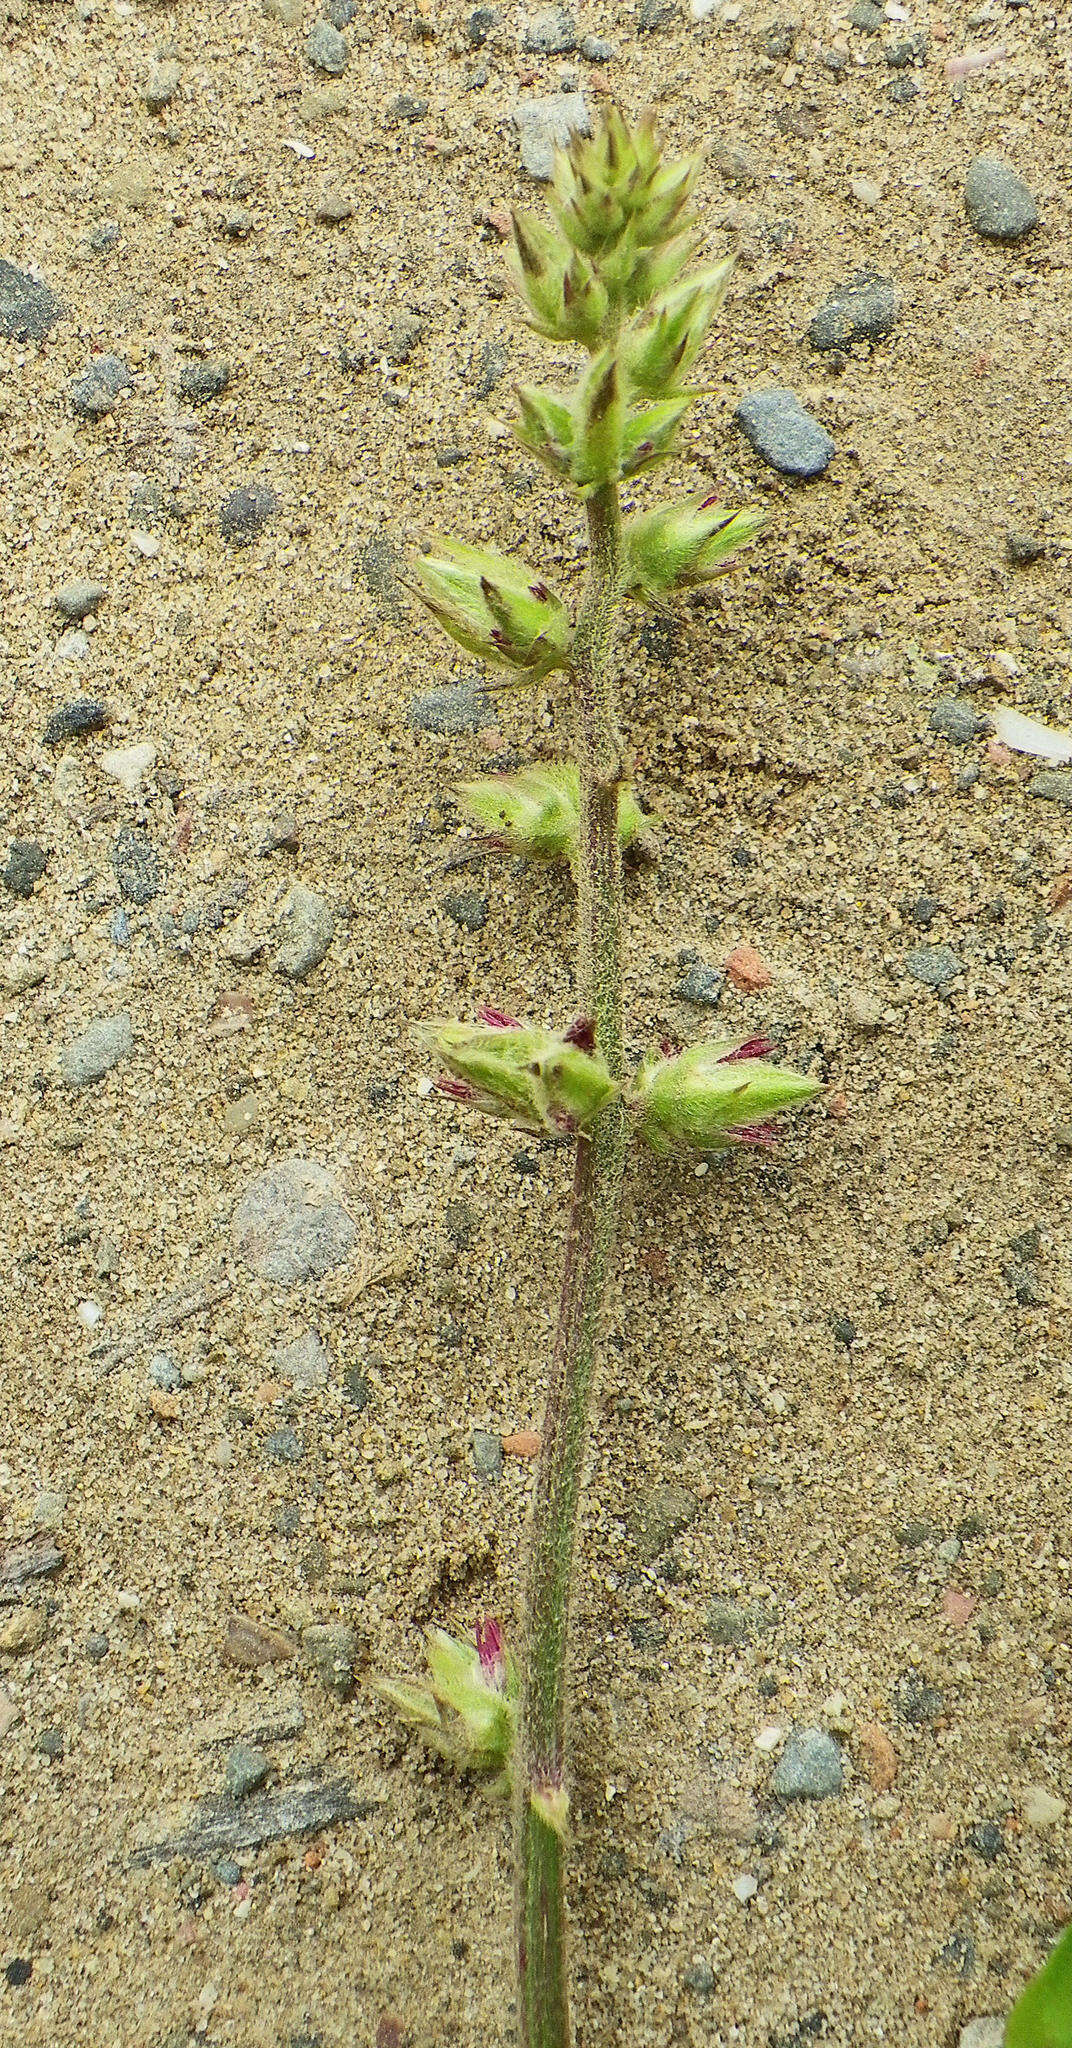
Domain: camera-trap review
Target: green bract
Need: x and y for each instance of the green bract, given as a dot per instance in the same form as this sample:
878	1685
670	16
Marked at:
713	1095
536	812
469	1711
496	606
540	1081
679	545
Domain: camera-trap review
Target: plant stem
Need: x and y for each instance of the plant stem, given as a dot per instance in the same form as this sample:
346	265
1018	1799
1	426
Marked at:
590	1237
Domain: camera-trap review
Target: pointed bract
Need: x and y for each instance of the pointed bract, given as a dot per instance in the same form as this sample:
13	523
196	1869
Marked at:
540	1081
495	606
713	1095
680	545
535	812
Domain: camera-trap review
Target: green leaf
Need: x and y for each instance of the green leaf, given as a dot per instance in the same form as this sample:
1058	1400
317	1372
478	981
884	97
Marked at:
1042	2015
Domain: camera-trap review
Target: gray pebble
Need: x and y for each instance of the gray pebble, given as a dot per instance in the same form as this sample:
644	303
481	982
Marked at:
934	966
915	1702
958	720
655	14
285	1447
304	1362
102	239
865	309
997	202
137	866
164	1372
99	1048
665	1511
487	1455
1055	784
700	1978
467	910
237	223
28	309
403	334
779	429
810	1766
550	33
727	1622
326	50
479	26
407	107
307	924
246	1769
1022	548
333	208
75	601
333	1649
456	708
905	51
119	928
490	367
94	393
198	382
340	13
289	1223
246	512
902	90
73	645
25	865
161	85
986	2032
97	1648
597	50
547	125
703	986
868	17
50	1743
220	1825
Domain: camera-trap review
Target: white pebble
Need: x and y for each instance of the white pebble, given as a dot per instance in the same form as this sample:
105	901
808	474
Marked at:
745	1888
89	1313
768	1739
129	765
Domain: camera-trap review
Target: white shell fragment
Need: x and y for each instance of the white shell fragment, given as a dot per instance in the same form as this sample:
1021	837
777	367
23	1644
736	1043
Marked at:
1028	736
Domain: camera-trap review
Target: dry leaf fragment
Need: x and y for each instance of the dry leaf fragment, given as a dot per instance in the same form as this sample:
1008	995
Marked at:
252	1642
1060	892
880	1757
747	971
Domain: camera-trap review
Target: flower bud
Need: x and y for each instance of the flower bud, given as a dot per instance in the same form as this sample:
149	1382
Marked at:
616	184
680	545
495	606
544	1082
536	812
468	1713
649	433
659	350
713	1095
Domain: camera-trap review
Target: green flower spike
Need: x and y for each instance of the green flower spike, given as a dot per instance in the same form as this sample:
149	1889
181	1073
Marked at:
544	1082
714	1095
536	813
678	546
495	606
468	1713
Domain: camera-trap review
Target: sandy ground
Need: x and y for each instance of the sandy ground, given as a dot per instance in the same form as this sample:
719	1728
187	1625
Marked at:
852	1376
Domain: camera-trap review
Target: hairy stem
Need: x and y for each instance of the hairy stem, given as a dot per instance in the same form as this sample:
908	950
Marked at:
590	1238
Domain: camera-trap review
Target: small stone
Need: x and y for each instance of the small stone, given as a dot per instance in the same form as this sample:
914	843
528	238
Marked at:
102	239
455	708
333	1649
810	1766
356	1388
487	1455
252	1643
285	1447
653	15
199	381
747	970
1042	1808
787	437
246	512
597	50
987	1838
547	125
289	1223
307	927
703	986
988	2032
28	309
865	1010
23	1631
727	1623
72	645
403	335
97	1647
101	1046
161	85
333	208
50	1744
879	1754
326	50
25	865
865	309
237	223
958	720
550	33
164	1373
75	601
745	1887
868	17
490	368
94	393
407	107
49	1509
915	1702
304	1362
137	866
905	51
246	1769
468	910
129	765
1022	548
73	721
934	966
664	1513
1054	784
700	1979
340	13
22	1563
479	26
997	202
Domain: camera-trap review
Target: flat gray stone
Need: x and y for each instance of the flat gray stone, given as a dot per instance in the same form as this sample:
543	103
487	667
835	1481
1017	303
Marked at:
290	1223
333	1649
28	309
137	866
865	309
99	1048
304	1362
934	966
245	1770
776	425
327	50
219	1826
456	708
997	202
1055	784
94	393
958	720
75	601
810	1766
200	381
551	33
246	512
307	927
547	125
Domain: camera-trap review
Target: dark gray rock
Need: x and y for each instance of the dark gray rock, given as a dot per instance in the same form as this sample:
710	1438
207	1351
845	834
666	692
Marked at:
333	1650
97	1647
703	986
915	1702
479	26
28	309
102	239
285	1447
934	966
94	393
340	13
219	1826
245	1770
198	382
547	125
905	51
467	909
810	1766
307	926
137	866
99	1048
246	513
1022	548
957	720
1055	784
456	708
868	17
779	429
22	1564
487	1455
655	14
865	309
75	601
997	202
290	1223
326	50
494	357
407	107
25	865
550	33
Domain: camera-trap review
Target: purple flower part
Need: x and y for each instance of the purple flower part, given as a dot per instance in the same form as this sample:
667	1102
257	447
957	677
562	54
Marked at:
764	1136
752	1049
459	1091
539	591
489	1649
582	1034
706	503
498	1019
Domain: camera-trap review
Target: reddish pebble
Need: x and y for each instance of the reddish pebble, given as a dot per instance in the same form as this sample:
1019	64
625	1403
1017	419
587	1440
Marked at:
524	1443
879	1754
958	1607
746	970
998	753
